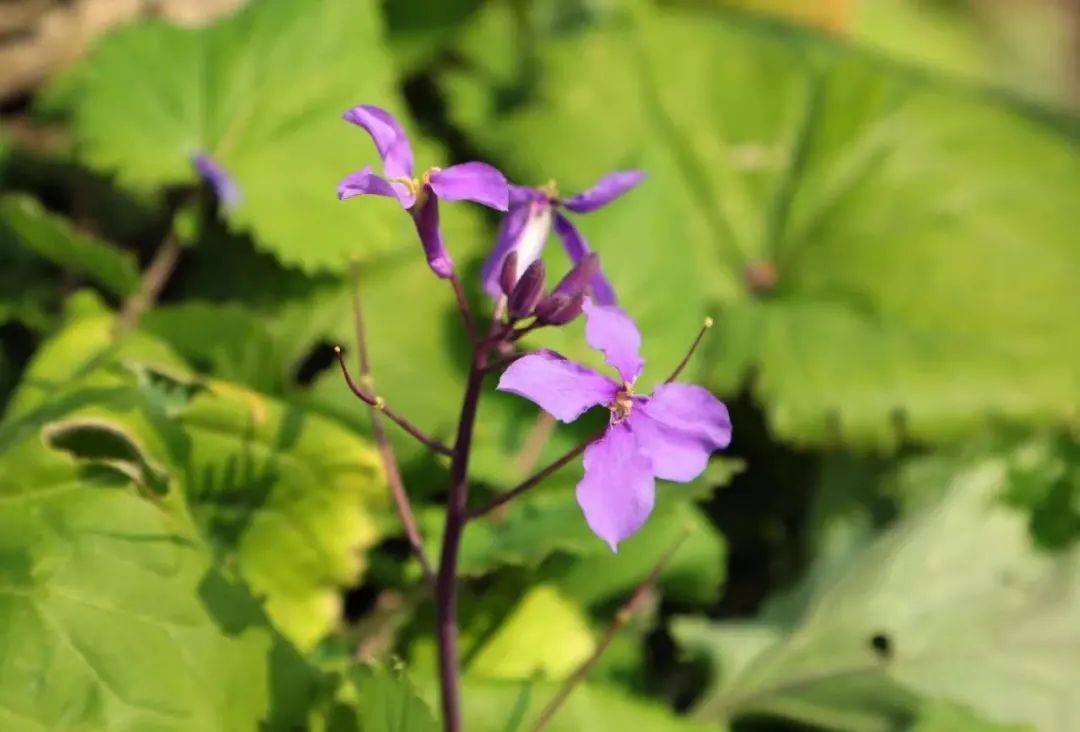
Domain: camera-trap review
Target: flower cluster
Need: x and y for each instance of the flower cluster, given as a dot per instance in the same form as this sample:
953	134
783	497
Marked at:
668	434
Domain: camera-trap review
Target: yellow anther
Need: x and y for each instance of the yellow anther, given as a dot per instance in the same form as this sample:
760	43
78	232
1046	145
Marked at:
550	189
708	322
379	404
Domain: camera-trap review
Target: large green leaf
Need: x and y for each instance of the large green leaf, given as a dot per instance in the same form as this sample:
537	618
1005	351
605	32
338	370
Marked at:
548	522
494	706
25	224
387	702
922	271
287	497
262	93
521	647
955	603
112	614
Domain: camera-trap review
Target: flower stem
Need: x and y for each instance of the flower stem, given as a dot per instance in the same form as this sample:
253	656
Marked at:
533	480
456	518
693	347
386	451
379	404
622	617
153	281
463	306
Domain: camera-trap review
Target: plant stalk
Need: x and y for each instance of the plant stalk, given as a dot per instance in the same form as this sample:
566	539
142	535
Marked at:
386	451
456	518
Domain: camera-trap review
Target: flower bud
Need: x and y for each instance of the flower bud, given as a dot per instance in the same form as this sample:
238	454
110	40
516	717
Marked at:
527	292
508	274
577	279
559	308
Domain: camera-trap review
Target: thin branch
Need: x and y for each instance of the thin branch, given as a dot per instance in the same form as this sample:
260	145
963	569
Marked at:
463	306
622	618
533	480
386	451
693	347
153	281
380	404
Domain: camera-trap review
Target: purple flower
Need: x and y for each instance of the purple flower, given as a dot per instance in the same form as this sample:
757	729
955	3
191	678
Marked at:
219	180
668	435
533	211
420	196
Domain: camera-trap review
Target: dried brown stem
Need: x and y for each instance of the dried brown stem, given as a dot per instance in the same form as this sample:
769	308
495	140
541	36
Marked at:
153	281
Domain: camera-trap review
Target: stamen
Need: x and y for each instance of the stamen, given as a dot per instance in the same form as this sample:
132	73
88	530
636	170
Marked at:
693	347
411	183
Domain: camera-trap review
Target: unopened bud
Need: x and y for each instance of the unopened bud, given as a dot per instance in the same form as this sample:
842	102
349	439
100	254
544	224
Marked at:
560	309
577	279
508	274
527	292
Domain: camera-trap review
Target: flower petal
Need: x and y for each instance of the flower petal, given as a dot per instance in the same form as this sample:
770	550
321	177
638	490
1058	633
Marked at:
617	493
524	194
560	387
578	249
215	176
366	183
606	190
426	217
478	182
509	231
609	329
389	138
679	427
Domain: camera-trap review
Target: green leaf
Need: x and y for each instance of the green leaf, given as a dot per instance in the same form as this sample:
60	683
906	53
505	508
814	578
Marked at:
389	703
954	603
26	224
263	93
938	716
695	573
548	521
113	608
521	647
492	706
287	497
921	271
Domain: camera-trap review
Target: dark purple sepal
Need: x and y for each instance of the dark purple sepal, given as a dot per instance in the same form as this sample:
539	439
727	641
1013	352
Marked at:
528	291
508	273
559	309
578	278
425	214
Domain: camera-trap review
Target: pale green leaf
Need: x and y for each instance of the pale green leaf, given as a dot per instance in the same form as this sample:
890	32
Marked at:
522	645
922	271
111	611
289	498
387	702
955	603
492	706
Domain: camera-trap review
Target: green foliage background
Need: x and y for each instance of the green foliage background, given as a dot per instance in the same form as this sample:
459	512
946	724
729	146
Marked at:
195	532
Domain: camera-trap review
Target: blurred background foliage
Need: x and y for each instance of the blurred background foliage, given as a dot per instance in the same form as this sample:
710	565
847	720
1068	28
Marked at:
874	199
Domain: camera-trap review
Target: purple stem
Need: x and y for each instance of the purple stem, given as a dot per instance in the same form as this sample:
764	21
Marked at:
534	480
456	518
